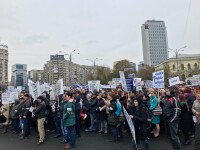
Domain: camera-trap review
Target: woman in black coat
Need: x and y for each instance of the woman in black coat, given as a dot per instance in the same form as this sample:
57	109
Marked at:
185	119
139	116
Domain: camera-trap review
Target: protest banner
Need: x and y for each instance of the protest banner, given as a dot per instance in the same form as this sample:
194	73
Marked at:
158	79
130	123
148	84
10	89
9	97
19	88
35	90
116	81
129	84
137	81
123	80
192	81
59	87
52	93
94	85
174	81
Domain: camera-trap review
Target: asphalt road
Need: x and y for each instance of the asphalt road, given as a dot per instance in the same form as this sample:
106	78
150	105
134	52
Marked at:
88	141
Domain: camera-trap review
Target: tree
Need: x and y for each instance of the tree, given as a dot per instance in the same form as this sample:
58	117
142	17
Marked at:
146	73
103	74
122	65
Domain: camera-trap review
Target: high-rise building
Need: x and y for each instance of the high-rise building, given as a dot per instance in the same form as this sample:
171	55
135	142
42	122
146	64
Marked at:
140	65
36	75
154	40
3	66
19	75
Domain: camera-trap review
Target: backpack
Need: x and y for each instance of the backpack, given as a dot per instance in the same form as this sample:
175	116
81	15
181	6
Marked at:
119	109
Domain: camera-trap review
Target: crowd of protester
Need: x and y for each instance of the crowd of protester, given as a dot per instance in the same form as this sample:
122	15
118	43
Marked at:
176	110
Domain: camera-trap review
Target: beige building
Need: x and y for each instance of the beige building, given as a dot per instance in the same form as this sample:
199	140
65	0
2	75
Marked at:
36	75
58	68
188	65
3	66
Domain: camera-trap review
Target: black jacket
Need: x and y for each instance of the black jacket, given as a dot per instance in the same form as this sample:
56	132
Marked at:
40	110
25	108
113	120
140	120
171	109
93	105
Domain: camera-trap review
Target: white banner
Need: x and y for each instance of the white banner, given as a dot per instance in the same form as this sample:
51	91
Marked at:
59	87
8	98
137	81
35	90
174	81
116	81
158	79
94	85
52	93
123	80
19	88
11	89
139	88
130	123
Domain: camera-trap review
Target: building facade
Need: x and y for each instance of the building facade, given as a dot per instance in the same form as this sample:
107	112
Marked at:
3	66
188	65
154	41
58	67
19	75
36	75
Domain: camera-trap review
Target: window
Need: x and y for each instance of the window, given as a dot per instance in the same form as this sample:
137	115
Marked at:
182	66
173	67
189	67
195	66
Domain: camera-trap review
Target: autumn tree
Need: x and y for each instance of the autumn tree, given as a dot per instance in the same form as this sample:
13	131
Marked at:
103	74
146	73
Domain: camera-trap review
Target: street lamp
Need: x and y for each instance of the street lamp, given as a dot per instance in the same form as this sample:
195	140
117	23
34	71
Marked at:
70	54
94	64
176	51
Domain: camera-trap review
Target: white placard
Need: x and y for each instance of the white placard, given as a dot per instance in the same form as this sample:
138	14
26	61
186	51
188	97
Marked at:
174	81
137	81
94	85
59	87
123	80
8	98
52	93
35	90
11	89
158	79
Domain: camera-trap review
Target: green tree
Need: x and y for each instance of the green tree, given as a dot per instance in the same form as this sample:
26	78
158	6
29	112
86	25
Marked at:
103	74
146	73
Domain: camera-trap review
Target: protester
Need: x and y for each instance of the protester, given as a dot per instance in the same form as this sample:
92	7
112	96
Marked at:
196	111
113	120
14	114
139	116
4	110
40	115
156	118
171	112
69	120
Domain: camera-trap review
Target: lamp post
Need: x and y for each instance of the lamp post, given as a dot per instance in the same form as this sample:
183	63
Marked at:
94	64
176	51
70	54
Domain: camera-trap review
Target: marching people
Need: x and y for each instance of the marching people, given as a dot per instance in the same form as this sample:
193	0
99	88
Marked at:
5	110
14	114
139	116
39	113
69	120
156	118
171	113
196	112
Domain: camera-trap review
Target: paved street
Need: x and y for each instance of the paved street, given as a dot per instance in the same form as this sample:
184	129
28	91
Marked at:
88	141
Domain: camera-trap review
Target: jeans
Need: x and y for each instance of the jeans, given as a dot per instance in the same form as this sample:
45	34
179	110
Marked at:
15	124
72	135
57	121
172	131
115	132
77	127
26	126
93	125
64	131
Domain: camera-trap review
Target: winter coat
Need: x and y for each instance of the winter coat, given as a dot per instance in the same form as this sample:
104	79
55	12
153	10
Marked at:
190	98
86	106
5	110
184	117
40	110
93	105
196	108
69	114
171	109
102	113
140	121
77	110
113	120
153	105
14	113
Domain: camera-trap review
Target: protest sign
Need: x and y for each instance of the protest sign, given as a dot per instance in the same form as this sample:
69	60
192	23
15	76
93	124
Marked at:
123	80
158	79
19	88
59	87
94	85
129	84
148	84
174	81
52	93
116	81
130	123
11	89
8	98
191	81
137	81
35	90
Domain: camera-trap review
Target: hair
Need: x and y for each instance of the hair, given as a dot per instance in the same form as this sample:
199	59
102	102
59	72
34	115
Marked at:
187	90
112	95
182	99
70	94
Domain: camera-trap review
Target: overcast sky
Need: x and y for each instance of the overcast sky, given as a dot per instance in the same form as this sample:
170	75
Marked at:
107	29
